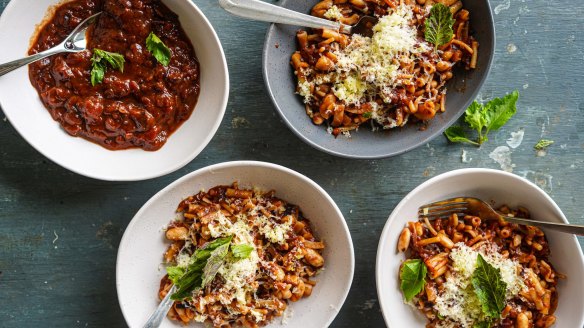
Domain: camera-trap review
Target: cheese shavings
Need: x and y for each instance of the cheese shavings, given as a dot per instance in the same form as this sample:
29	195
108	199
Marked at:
333	13
375	61
457	302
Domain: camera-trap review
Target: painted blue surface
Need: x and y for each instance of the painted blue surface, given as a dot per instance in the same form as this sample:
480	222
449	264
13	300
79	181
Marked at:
69	280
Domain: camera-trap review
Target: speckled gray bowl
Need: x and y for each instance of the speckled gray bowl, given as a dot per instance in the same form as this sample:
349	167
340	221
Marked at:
281	84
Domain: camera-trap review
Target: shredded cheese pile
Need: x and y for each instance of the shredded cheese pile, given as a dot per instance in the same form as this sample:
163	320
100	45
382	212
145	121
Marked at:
457	302
240	273
370	66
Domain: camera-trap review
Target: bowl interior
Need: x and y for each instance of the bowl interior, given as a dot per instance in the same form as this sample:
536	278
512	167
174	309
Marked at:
139	263
281	83
489	185
22	106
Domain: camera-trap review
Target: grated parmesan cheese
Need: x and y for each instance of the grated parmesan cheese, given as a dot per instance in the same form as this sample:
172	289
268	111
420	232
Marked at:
376	60
457	302
333	13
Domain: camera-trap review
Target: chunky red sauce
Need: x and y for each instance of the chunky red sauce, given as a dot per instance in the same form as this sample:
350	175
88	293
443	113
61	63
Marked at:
140	107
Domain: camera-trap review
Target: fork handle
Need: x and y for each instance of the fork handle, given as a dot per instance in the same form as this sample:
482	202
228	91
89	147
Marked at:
10	66
161	311
266	12
562	227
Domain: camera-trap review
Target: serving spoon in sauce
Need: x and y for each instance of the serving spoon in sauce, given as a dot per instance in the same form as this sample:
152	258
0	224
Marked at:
266	12
74	42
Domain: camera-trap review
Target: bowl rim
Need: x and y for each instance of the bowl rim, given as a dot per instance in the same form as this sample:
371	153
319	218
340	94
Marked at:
445	176
297	130
242	163
154	174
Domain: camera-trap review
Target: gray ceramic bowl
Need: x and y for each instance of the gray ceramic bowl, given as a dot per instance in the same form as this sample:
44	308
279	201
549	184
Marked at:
281	84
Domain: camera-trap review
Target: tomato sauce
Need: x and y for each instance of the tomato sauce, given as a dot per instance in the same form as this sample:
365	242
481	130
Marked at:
140	107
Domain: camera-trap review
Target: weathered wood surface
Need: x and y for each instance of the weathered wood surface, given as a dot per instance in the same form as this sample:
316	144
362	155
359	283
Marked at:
69	281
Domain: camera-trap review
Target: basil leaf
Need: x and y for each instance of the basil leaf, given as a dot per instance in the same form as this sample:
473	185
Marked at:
158	49
543	144
241	251
499	110
438	26
98	64
193	277
457	134
174	273
413	278
474	116
489	288
214	263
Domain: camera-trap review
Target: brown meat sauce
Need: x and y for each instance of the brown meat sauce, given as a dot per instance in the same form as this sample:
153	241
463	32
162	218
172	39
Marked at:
140	107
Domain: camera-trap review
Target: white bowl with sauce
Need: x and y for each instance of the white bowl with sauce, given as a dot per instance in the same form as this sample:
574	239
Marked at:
23	108
489	185
140	268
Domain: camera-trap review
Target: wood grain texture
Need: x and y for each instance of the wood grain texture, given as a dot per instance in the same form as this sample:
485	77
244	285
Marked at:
69	281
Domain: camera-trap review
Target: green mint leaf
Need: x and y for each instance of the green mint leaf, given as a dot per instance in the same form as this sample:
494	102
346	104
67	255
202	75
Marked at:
367	114
413	278
97	73
99	67
174	273
214	263
489	288
158	49
241	251
474	116
543	144
499	110
193	277
457	134
438	26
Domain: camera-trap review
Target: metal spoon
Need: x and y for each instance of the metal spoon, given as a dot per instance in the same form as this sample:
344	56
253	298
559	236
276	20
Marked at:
262	11
74	42
157	316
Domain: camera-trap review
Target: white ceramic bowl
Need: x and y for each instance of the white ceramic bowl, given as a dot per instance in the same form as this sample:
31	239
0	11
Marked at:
139	263
502	188
23	108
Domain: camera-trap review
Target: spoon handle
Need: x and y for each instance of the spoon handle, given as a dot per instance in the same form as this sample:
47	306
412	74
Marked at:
262	11
156	318
10	66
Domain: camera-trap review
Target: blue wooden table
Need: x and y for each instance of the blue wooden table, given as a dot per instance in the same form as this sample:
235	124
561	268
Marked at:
59	231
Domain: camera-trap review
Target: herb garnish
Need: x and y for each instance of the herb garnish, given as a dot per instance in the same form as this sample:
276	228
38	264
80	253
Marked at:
413	277
485	118
241	251
204	265
543	144
439	24
98	64
194	275
482	324
489	288
158	49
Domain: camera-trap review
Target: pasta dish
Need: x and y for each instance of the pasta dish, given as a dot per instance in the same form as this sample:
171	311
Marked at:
396	75
463	272
237	257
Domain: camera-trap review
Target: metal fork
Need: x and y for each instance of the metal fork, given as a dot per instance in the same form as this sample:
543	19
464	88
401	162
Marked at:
477	207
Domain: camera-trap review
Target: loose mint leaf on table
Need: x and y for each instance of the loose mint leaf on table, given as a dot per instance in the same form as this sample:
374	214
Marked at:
158	49
413	277
99	62
241	251
543	144
438	26
457	134
489	288
485	118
